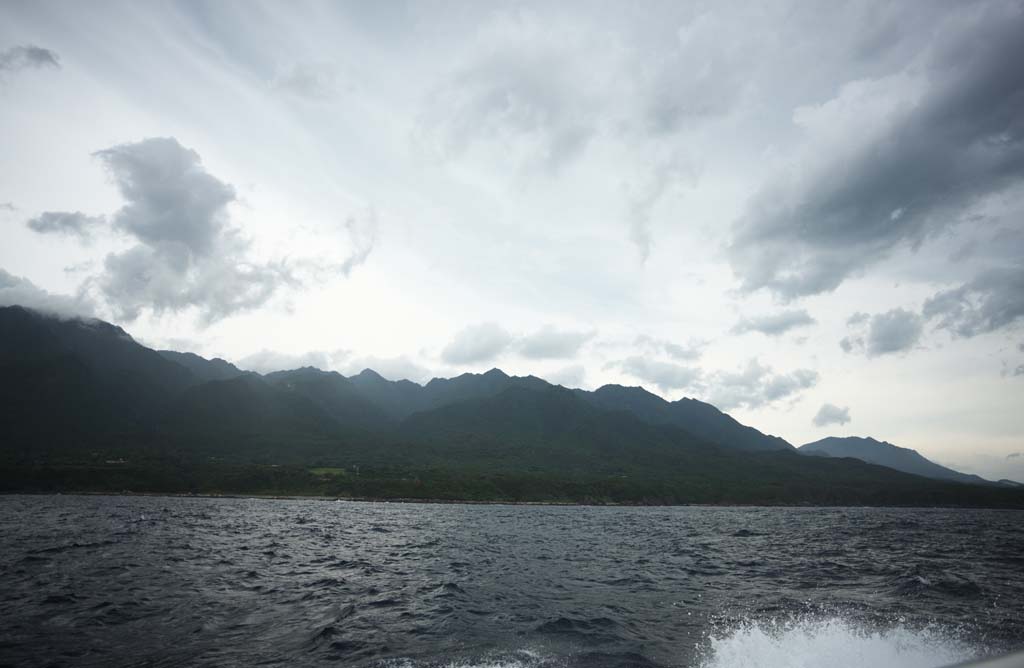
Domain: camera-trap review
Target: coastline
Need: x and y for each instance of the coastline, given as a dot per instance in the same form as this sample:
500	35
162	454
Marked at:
477	502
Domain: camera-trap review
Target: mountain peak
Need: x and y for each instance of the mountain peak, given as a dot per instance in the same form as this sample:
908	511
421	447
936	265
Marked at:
883	453
369	374
626	389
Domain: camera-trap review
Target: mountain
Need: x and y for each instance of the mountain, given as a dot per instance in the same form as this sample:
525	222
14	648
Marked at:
87	408
470	386
110	353
395	398
337	396
203	369
401	399
549	429
69	383
248	419
886	454
700	419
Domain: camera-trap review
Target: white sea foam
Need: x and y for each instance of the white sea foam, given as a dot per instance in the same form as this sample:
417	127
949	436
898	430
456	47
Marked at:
832	643
807	642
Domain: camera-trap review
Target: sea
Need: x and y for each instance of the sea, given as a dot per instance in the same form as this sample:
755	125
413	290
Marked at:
170	581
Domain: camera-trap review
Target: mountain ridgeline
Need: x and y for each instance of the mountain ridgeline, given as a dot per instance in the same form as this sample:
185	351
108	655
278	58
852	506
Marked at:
886	454
87	408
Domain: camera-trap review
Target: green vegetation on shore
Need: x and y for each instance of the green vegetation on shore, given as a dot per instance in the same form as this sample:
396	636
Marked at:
87	409
773	484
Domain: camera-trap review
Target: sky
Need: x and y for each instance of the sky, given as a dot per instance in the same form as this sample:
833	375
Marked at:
808	214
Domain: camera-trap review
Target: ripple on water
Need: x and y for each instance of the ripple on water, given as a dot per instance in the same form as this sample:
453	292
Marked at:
244	582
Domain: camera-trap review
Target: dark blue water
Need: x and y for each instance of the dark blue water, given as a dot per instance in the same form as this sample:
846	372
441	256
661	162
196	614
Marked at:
130	581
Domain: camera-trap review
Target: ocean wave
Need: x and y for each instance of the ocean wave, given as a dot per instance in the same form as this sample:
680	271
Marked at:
833	642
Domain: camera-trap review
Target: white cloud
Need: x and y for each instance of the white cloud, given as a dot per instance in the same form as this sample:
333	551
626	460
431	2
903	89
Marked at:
551	343
755	385
774	324
830	414
266	361
18	291
477	343
664	375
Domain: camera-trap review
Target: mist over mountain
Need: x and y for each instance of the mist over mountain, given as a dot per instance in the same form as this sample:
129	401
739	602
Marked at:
89	408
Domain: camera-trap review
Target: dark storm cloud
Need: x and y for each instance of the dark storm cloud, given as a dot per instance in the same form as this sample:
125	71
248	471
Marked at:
993	300
551	343
70	223
477	343
894	331
775	324
27	56
830	414
934	156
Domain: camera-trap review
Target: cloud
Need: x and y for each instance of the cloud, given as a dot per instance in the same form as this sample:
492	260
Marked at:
992	301
340	360
681	352
571	376
775	324
664	174
665	375
311	81
755	385
891	161
69	223
18	291
858	318
362	233
28	56
894	331
550	343
829	414
539	91
8	206
392	368
187	254
267	361
524	87
170	197
477	343
1014	455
